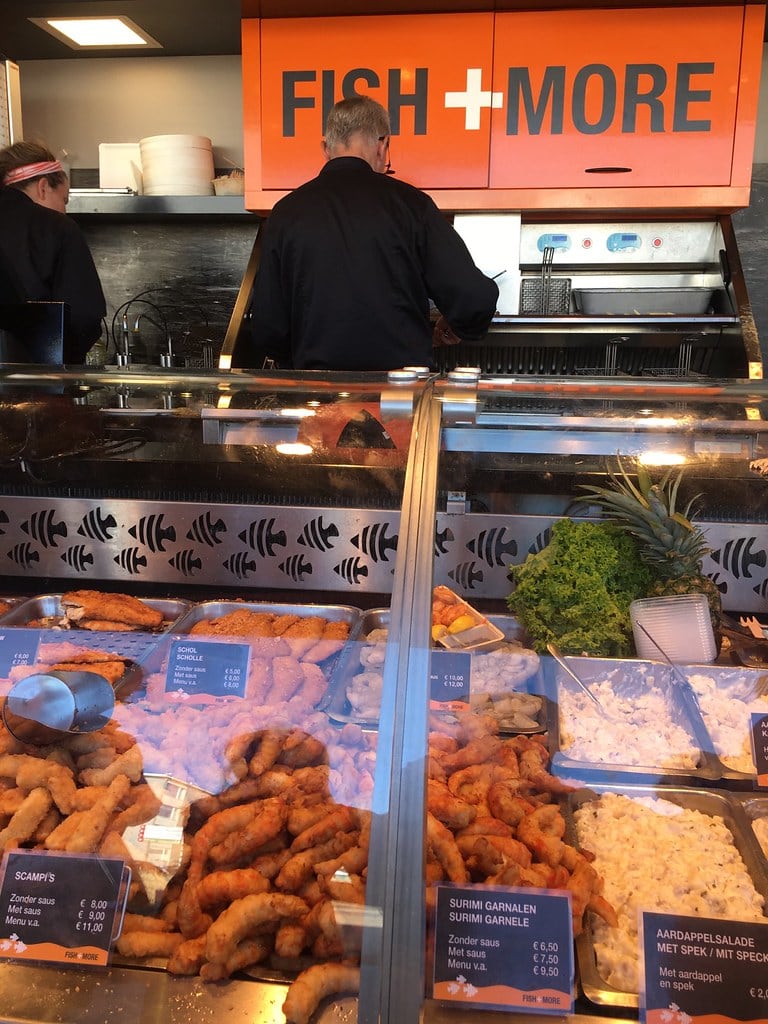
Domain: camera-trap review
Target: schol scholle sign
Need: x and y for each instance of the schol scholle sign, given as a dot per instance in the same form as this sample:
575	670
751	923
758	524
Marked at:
515	99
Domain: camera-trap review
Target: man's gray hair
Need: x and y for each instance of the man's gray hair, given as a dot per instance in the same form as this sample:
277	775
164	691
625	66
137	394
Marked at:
358	115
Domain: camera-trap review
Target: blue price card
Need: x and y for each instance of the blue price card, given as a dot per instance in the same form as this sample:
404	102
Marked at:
207	667
759	737
17	647
504	948
450	676
699	969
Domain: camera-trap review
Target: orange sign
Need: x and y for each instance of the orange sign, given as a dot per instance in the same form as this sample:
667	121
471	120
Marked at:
406	63
637	106
646	97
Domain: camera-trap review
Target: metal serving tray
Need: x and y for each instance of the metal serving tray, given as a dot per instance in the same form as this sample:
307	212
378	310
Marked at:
340	710
135	644
742	678
216	609
717	804
756	807
643	301
134	687
632	674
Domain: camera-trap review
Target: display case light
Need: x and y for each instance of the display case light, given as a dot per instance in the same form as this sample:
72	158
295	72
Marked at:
294	448
115	32
661	458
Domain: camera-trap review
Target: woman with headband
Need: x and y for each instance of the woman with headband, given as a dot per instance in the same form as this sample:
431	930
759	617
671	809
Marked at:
43	253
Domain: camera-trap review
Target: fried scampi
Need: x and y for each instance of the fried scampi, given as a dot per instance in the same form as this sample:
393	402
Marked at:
273	855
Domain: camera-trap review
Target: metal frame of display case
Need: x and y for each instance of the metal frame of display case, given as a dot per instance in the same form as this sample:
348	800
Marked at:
448	413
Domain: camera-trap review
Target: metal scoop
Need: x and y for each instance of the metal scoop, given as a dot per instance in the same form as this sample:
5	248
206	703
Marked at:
47	707
558	656
680	675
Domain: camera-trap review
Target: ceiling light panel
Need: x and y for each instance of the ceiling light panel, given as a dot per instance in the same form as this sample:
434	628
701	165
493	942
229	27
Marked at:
98	33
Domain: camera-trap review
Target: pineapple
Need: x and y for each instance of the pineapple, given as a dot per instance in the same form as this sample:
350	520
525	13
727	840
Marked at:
670	544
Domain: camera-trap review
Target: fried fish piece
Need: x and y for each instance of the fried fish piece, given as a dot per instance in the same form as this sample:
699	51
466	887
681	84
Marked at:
106	626
315	984
304	634
83	605
241	622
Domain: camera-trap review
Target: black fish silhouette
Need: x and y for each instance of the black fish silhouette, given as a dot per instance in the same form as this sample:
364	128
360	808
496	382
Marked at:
442	539
240	564
3	519
316	535
23	555
40	526
351	570
762	588
722	585
78	557
261	536
491	546
95	526
373	541
737	556
204	529
185	562
150	531
541	541
297	567
466	575
131	560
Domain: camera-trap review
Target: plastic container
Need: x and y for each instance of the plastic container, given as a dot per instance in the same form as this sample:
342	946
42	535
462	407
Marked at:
177	165
120	165
678	627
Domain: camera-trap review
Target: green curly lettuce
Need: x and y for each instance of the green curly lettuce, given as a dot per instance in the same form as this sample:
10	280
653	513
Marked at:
576	591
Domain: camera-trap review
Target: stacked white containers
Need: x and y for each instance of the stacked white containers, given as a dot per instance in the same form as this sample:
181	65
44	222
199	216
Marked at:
177	165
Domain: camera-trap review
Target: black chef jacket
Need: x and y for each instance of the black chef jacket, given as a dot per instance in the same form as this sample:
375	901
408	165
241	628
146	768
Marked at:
349	263
50	261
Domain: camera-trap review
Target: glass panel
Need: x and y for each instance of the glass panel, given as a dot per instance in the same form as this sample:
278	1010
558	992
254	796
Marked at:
559	505
204	434
227	763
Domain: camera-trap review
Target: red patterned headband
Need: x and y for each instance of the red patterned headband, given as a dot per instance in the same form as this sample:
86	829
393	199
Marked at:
28	171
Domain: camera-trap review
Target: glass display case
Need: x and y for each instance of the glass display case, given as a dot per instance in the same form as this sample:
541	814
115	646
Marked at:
343	740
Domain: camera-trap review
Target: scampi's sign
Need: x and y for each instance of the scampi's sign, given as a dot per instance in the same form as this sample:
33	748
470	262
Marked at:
515	99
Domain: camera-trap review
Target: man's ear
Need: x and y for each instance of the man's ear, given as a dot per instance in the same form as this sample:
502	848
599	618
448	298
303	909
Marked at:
324	147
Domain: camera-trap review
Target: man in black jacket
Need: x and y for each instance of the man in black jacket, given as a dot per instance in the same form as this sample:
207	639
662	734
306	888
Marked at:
351	259
44	256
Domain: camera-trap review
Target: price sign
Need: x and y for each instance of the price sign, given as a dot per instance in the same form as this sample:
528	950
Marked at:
206	668
60	907
504	948
759	739
17	647
450	677
698	968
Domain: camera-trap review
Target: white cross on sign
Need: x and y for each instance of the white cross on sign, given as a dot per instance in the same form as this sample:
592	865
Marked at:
473	99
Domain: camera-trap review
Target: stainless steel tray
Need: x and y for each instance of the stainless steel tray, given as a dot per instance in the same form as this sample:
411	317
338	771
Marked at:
643	301
717	804
135	644
743	680
756	808
49	606
340	710
216	609
629	678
